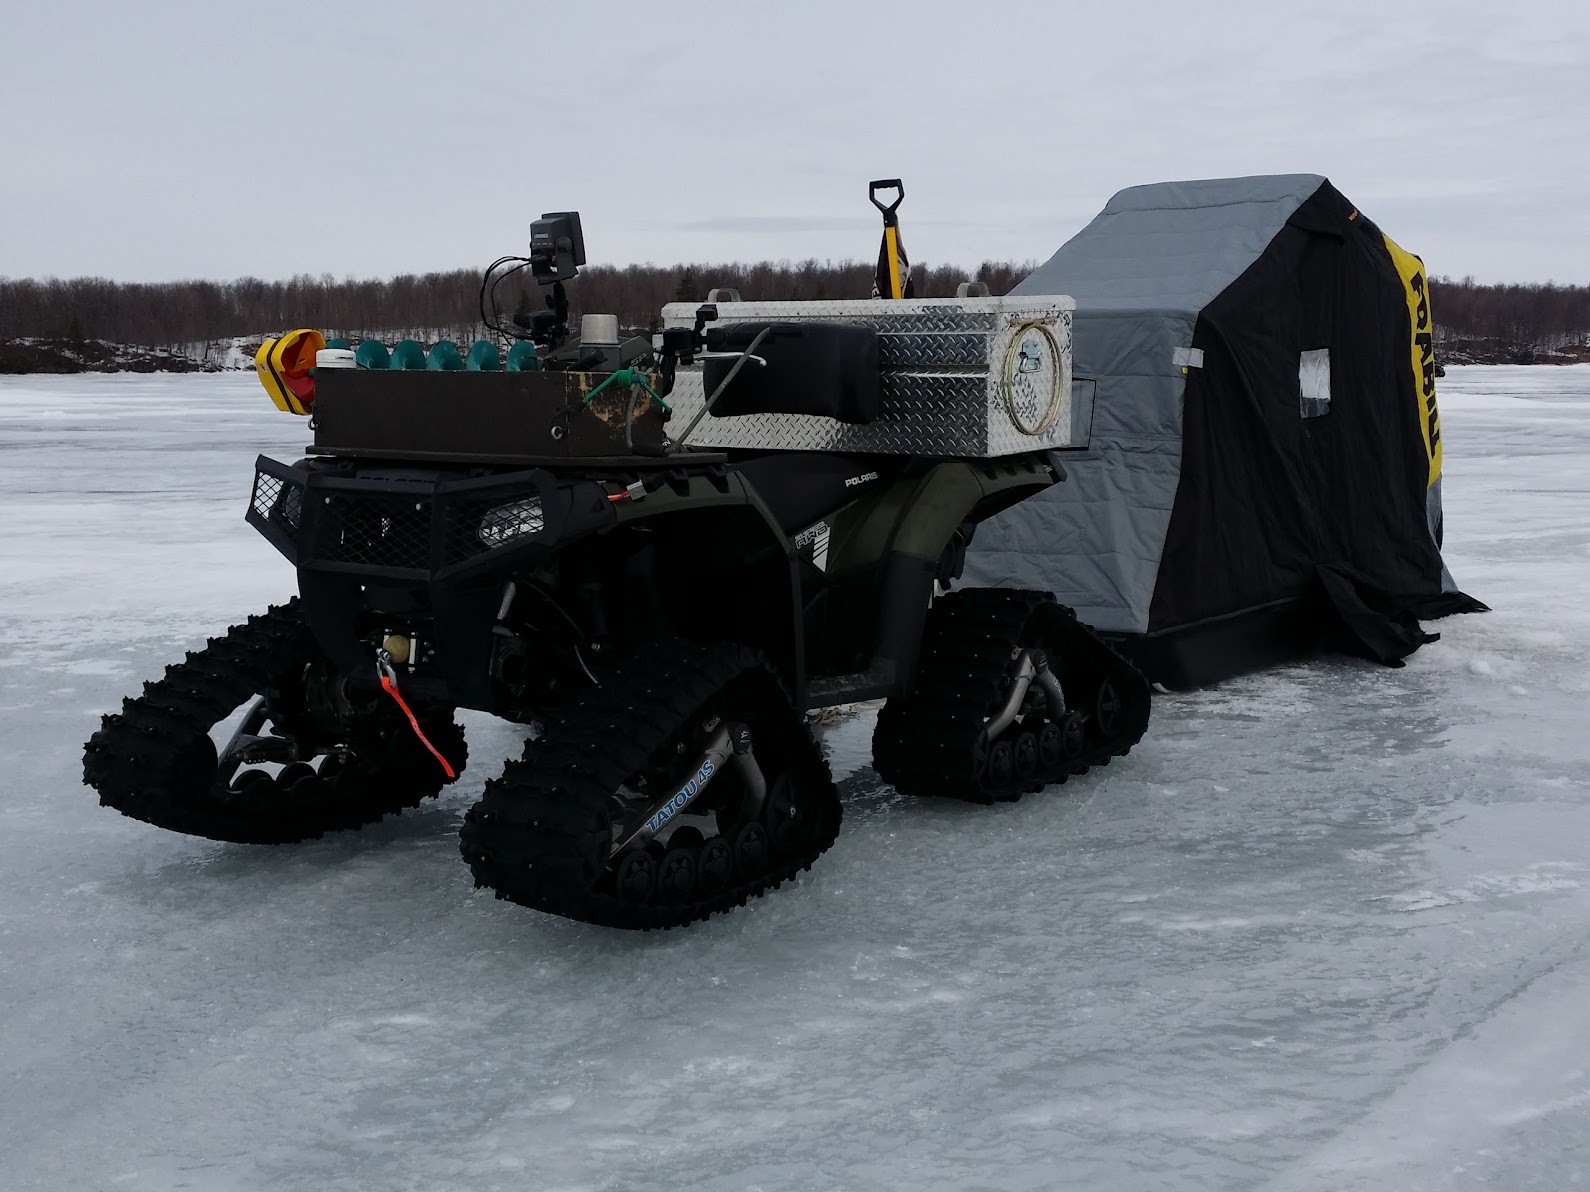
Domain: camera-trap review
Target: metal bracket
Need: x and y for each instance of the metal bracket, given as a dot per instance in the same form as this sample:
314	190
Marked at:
1032	666
249	747
719	749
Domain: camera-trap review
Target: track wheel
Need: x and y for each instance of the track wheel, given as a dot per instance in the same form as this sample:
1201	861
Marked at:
1073	736
1026	755
676	876
250	784
1051	746
751	849
292	775
636	877
715	865
1001	763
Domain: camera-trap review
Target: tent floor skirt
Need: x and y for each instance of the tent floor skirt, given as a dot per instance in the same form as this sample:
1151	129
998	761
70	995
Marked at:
1191	656
1338	616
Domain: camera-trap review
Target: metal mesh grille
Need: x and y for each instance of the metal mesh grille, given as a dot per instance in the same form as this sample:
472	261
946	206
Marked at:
266	490
376	531
278	502
464	537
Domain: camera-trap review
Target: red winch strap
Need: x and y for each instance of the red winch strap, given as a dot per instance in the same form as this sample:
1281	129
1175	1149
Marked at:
388	686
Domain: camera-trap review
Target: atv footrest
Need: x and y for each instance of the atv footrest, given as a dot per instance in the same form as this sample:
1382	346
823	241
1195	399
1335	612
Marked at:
825	691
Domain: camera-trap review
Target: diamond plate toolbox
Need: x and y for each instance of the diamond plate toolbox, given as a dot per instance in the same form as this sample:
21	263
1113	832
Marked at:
968	377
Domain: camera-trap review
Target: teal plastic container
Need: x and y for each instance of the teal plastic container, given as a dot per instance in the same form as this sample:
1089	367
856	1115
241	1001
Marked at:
522	357
444	357
483	357
339	342
372	353
407	354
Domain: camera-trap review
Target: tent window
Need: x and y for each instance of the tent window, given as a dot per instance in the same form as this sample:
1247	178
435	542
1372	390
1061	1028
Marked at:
1314	382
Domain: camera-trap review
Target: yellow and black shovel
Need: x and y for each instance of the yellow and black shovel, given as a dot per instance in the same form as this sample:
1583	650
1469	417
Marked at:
894	270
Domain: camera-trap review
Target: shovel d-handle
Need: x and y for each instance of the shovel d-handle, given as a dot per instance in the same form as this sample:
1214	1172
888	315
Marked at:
889	209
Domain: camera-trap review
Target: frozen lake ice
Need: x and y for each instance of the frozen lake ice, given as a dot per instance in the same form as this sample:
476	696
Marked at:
1327	927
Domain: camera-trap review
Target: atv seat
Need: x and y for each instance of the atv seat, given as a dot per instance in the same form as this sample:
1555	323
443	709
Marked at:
801	487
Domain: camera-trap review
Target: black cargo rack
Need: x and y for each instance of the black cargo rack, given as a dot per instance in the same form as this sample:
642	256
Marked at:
526	419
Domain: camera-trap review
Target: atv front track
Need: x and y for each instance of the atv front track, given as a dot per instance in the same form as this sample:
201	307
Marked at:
544	834
154	760
935	740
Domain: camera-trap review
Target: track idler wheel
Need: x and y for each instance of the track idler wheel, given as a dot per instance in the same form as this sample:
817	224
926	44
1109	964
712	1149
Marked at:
1107	709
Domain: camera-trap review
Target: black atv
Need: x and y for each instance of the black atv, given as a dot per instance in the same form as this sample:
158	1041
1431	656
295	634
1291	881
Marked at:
533	544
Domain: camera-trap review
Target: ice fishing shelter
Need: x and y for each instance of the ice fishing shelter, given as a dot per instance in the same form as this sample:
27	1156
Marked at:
1255	379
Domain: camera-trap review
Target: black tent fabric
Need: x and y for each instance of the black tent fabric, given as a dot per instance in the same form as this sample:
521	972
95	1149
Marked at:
1282	505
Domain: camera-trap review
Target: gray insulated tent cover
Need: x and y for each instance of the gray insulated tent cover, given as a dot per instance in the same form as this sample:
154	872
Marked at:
1254	365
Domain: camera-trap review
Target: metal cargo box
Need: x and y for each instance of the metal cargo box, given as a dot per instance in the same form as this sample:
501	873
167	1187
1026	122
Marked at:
969	377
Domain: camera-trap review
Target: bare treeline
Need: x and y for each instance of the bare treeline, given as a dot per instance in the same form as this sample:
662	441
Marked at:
1520	316
184	312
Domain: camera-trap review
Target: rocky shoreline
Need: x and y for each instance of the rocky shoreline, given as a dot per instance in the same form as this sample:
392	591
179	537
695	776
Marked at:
92	355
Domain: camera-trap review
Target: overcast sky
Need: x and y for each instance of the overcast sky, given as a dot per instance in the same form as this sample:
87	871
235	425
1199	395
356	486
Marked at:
160	139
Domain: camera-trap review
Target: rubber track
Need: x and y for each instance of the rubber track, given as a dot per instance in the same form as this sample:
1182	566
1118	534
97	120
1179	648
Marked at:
924	743
541	833
154	761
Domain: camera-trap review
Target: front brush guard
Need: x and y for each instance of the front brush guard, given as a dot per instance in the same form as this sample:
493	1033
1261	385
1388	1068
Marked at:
418	524
429	542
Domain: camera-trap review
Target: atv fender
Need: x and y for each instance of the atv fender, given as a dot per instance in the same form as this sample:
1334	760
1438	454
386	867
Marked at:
896	544
917	516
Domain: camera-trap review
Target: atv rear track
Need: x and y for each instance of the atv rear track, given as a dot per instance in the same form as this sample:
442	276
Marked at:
935	740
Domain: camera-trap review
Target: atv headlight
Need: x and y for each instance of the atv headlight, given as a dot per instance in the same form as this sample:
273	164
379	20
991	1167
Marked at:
503	524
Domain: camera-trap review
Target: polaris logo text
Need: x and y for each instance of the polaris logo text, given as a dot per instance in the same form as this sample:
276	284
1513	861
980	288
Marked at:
862	479
687	792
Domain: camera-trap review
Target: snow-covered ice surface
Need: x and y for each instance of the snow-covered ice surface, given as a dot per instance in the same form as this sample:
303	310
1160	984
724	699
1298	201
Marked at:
1328	927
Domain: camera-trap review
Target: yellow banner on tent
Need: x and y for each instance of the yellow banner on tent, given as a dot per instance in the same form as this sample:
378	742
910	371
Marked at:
1417	290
